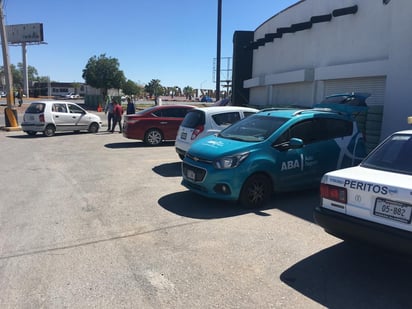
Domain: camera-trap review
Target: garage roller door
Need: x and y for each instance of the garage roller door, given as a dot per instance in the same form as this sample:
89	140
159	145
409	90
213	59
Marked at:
370	123
292	94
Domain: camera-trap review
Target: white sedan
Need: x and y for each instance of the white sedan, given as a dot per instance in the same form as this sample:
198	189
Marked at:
372	202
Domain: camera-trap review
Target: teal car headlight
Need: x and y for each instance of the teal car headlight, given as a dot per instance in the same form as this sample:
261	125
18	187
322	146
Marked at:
230	161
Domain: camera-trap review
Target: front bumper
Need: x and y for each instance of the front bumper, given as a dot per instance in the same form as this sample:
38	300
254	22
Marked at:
348	227
209	181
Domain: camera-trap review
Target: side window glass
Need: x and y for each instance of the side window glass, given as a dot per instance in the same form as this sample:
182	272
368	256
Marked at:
168	112
158	113
334	128
283	138
75	110
226	118
59	108
306	131
181	112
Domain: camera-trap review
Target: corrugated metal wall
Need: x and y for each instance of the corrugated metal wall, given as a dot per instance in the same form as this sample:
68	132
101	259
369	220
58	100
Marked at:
371	123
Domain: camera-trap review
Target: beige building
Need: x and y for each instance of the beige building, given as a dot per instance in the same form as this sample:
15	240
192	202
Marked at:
316	48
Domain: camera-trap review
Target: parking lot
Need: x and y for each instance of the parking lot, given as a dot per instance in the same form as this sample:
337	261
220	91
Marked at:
96	220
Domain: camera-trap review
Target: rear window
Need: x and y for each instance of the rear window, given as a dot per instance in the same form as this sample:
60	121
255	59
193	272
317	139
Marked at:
225	119
35	108
172	112
193	119
393	155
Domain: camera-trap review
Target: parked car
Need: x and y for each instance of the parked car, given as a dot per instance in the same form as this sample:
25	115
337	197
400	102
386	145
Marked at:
201	122
223	102
372	202
155	124
72	95
3	94
206	99
51	116
273	150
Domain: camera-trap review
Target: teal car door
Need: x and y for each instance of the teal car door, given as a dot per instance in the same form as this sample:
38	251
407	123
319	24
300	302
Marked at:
298	167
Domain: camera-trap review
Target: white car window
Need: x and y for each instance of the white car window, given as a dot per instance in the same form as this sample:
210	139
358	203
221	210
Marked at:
225	119
59	108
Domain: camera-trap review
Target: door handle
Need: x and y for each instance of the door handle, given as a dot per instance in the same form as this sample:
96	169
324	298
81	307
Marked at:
57	116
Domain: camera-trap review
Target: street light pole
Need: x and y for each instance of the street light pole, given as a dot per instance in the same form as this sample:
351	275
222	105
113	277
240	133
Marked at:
219	35
11	116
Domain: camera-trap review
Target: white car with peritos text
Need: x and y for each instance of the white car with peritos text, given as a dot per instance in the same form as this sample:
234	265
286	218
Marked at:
372	202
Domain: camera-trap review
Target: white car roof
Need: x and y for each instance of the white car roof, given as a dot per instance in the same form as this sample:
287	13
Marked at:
223	109
403	132
52	101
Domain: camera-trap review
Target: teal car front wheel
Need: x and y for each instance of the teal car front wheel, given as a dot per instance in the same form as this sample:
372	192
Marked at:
256	191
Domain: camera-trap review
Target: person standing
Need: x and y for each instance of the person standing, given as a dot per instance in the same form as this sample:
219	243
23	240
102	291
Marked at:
108	109
117	116
131	109
20	96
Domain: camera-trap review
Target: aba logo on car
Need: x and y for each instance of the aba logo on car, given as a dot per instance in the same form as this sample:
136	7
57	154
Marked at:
288	165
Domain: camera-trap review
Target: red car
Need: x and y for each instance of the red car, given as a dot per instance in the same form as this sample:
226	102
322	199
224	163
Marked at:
155	124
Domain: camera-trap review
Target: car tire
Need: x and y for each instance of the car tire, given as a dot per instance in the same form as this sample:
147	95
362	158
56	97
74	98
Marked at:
256	191
93	128
50	130
31	133
153	137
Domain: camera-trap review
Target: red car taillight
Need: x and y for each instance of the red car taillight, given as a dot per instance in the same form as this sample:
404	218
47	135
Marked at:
334	193
197	131
41	117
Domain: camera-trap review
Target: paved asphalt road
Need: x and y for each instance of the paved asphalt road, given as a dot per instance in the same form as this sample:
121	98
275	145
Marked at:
99	221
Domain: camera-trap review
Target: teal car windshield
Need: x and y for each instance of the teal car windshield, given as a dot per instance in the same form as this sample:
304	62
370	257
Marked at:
255	128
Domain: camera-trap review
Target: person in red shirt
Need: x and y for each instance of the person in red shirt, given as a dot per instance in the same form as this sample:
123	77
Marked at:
117	115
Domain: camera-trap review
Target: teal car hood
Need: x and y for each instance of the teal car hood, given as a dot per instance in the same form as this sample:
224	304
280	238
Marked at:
212	147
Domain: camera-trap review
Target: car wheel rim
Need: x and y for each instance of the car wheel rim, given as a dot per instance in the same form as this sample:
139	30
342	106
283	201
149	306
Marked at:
256	193
154	138
49	131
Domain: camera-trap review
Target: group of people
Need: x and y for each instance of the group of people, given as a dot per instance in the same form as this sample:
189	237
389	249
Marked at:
114	111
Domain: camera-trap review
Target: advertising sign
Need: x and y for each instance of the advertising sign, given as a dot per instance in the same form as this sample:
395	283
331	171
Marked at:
25	33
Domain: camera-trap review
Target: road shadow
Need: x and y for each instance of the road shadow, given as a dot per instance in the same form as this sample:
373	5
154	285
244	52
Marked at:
350	275
41	135
297	203
169	169
136	144
192	205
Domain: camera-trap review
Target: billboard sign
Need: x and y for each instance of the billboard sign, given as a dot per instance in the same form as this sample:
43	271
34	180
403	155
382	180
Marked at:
25	33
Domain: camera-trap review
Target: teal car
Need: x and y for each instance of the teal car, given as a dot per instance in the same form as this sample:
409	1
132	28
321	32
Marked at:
274	150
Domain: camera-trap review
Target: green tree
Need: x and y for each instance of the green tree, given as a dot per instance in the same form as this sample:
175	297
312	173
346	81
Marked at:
17	74
154	88
188	92
131	88
103	73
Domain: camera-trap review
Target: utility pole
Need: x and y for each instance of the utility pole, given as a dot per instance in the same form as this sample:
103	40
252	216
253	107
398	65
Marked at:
11	115
219	35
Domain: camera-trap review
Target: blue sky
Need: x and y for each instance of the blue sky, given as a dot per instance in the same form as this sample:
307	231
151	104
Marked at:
173	41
